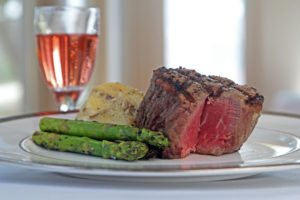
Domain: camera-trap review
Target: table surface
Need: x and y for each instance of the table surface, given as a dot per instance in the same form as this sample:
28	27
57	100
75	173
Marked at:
21	183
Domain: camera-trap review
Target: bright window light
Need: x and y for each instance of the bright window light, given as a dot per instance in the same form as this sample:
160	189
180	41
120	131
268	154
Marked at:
10	99
13	9
206	35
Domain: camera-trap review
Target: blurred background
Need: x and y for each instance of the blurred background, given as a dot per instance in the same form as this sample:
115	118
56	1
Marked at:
250	41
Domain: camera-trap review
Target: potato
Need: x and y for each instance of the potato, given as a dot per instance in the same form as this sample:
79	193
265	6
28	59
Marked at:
113	103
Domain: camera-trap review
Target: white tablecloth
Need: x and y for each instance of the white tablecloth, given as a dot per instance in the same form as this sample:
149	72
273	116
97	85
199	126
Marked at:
19	183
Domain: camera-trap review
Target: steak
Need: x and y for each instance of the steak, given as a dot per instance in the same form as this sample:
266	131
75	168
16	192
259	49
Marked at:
198	113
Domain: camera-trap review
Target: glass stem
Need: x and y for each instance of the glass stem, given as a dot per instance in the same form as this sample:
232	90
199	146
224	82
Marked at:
66	104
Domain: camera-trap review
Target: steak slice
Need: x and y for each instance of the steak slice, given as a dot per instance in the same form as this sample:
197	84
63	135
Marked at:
173	105
230	114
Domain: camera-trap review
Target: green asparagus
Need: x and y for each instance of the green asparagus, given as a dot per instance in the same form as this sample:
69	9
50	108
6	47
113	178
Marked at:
123	150
101	131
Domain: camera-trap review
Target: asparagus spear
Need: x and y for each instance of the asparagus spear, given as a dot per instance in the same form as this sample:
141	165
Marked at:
101	131
123	150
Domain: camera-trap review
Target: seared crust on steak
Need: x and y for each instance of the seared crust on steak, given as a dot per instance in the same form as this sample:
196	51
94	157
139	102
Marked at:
215	85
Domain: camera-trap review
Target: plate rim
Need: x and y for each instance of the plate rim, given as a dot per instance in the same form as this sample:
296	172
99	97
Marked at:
150	173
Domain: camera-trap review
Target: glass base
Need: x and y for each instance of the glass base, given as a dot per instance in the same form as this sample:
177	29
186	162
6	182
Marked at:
67	97
66	104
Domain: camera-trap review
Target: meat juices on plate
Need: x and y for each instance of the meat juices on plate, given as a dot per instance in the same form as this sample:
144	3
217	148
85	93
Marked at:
201	114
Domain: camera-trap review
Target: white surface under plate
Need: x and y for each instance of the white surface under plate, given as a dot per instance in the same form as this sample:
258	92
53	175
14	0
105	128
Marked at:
273	146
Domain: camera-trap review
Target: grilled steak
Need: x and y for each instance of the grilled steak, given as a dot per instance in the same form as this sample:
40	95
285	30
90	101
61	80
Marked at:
202	114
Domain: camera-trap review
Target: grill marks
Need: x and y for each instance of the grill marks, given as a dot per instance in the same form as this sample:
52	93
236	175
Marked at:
216	85
179	82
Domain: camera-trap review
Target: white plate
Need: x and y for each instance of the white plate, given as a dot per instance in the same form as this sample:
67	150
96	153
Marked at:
273	146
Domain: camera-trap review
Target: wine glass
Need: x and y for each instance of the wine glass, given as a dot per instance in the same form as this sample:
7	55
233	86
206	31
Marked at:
67	40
